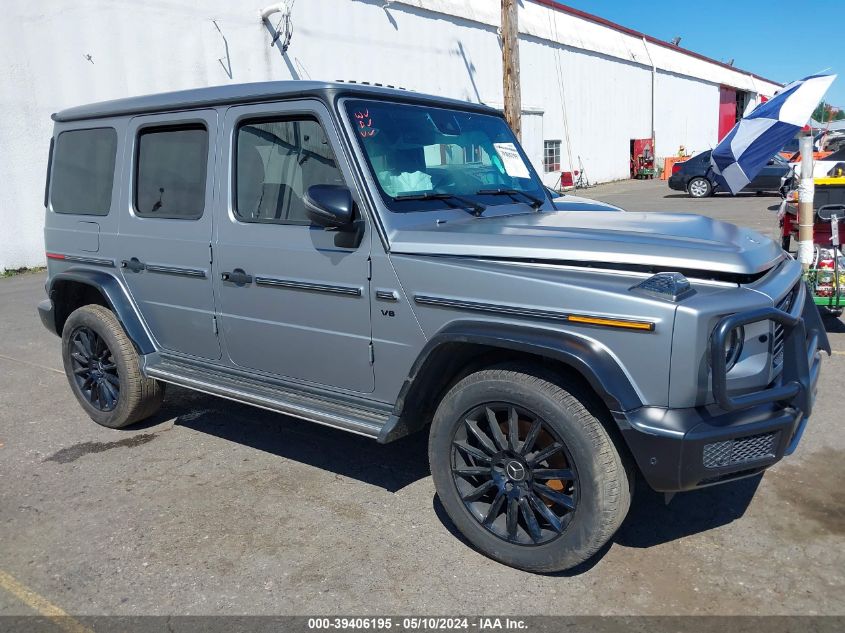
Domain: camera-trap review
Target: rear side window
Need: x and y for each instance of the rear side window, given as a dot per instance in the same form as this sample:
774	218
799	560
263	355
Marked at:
170	172
83	171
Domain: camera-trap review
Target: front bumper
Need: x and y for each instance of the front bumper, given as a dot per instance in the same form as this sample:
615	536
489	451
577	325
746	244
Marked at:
739	436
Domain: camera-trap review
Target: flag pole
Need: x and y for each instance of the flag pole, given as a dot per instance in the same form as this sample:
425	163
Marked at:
805	204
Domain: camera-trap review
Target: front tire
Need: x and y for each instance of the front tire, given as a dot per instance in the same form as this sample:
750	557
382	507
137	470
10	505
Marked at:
699	187
103	370
525	470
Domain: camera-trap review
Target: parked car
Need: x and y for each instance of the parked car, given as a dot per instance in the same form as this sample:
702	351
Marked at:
695	176
383	262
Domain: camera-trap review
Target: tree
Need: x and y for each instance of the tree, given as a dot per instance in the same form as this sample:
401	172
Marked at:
825	112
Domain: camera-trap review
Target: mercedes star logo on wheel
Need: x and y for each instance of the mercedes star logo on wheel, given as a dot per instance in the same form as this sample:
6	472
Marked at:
515	470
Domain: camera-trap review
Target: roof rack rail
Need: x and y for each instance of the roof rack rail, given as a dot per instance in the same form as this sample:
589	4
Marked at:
367	83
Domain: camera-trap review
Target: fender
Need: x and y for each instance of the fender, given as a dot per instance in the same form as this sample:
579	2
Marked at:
590	360
117	298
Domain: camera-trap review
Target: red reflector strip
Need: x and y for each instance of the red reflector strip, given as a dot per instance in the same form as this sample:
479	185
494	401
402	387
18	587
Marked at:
55	256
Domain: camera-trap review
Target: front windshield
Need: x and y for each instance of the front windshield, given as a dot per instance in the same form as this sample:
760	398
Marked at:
426	158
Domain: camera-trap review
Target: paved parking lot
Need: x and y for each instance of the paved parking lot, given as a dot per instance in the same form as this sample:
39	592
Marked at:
214	507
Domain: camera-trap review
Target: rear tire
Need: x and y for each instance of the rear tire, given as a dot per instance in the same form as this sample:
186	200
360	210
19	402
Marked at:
699	187
103	370
578	494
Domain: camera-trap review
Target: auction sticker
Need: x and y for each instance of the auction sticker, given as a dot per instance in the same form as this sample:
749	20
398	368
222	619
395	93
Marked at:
512	161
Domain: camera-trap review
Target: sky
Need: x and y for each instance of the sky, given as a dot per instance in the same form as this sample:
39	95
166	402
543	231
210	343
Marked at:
765	38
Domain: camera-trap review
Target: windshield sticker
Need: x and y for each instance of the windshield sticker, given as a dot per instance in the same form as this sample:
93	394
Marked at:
365	124
513	163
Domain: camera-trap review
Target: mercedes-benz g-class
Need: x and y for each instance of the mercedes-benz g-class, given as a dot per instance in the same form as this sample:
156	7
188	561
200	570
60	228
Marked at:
381	261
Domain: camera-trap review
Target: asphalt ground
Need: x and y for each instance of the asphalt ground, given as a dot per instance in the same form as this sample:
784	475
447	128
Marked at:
218	508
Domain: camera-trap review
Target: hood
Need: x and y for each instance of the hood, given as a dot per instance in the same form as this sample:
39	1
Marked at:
667	241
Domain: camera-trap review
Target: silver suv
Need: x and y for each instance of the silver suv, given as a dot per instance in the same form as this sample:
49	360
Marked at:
382	261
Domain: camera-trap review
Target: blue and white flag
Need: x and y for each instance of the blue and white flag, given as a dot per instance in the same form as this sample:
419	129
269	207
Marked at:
740	156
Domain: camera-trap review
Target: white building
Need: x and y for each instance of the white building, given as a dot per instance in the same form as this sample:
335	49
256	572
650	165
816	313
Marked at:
588	86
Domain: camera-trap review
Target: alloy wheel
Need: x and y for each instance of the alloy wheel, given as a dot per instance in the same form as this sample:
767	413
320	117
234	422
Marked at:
94	369
514	474
698	188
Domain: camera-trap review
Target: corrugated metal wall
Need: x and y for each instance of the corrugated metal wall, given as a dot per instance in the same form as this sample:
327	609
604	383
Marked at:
58	54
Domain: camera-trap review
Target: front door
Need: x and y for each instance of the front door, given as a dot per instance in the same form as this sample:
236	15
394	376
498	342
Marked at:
769	177
293	298
166	228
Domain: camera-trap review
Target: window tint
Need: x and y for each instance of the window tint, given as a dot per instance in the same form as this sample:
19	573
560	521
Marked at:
420	156
276	163
170	172
83	171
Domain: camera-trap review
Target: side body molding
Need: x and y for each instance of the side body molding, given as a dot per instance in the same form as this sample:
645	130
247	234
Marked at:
593	362
117	298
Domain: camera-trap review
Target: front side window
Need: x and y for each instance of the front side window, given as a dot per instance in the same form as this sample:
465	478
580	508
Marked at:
551	156
170	172
422	156
276	162
83	171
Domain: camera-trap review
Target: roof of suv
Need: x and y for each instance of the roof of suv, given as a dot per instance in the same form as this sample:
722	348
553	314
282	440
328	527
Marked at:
251	93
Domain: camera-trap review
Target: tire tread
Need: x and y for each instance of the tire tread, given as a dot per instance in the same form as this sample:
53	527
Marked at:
615	482
141	396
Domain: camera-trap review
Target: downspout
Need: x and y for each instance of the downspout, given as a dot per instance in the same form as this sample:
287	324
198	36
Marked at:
273	8
653	81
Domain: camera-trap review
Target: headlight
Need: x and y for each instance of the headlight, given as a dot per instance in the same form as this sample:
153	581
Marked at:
733	347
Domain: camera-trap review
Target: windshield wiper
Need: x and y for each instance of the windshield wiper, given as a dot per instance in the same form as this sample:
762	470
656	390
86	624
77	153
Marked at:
533	201
470	206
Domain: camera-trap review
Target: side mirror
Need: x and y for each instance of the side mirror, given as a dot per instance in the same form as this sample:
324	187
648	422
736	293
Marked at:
771	162
330	206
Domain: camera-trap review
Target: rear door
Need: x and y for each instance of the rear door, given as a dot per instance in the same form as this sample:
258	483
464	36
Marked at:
293	298
166	227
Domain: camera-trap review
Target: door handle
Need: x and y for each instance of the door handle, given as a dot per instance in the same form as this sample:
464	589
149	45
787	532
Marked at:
237	277
134	264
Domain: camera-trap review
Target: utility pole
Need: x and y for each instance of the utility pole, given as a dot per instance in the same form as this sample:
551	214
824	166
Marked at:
805	204
510	66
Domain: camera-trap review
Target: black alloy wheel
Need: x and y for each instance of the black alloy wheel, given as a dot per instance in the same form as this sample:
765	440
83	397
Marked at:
94	369
514	474
103	369
525	468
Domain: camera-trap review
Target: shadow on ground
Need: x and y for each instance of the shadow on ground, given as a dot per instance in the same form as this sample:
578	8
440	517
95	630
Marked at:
390	466
396	465
651	521
741	194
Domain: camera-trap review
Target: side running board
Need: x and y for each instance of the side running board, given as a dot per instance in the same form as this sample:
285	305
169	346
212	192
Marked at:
270	395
